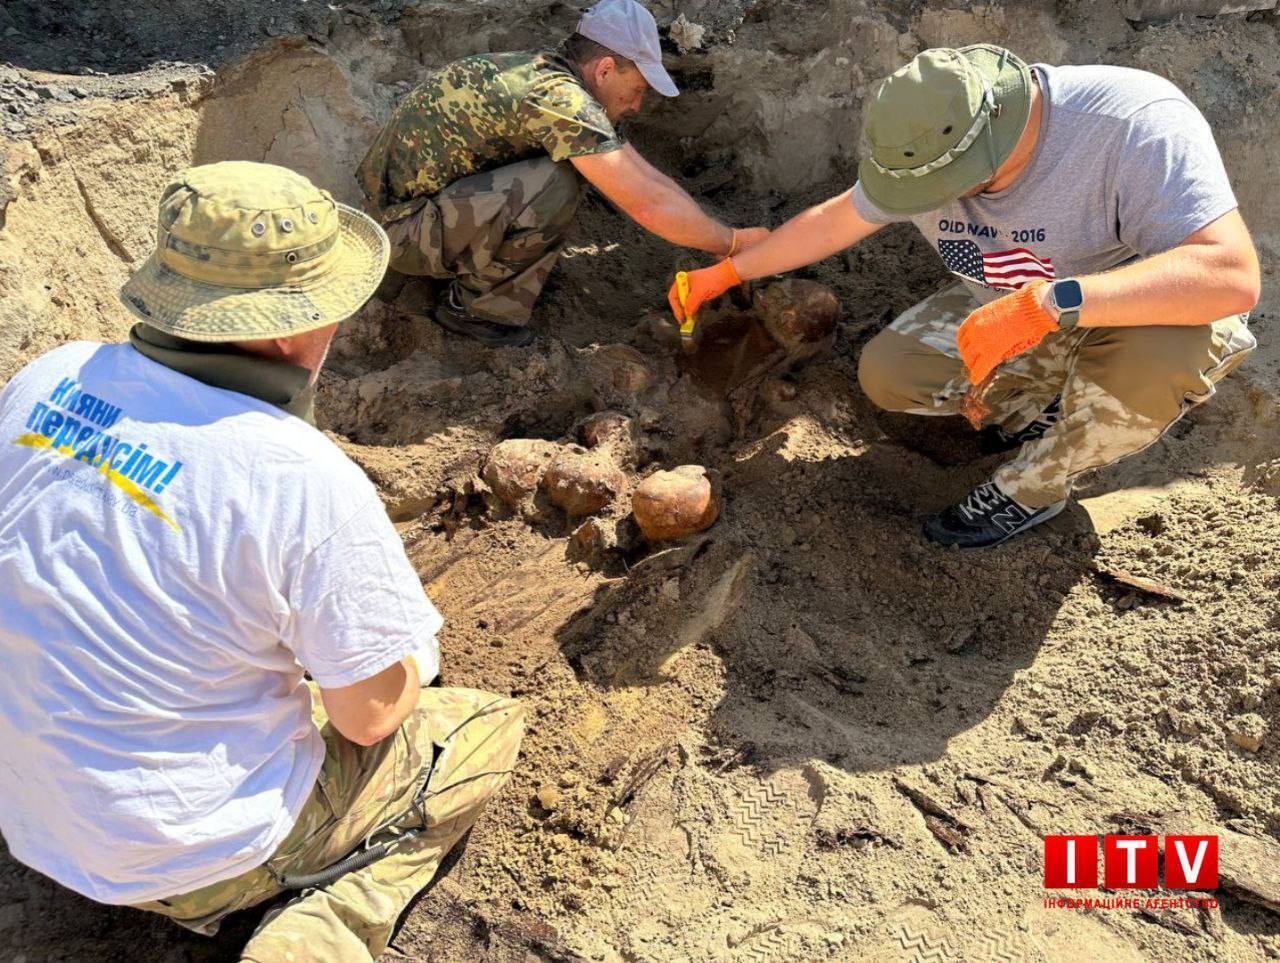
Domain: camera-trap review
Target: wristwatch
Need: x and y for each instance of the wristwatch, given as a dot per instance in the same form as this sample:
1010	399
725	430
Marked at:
1068	299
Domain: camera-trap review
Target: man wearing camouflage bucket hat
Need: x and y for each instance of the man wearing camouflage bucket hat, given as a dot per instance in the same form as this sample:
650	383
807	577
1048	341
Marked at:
478	172
1105	271
178	544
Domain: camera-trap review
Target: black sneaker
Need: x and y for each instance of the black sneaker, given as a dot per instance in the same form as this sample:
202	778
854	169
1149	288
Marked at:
452	316
994	440
987	517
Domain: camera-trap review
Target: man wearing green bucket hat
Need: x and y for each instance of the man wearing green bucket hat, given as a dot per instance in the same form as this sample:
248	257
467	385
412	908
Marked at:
178	544
1105	271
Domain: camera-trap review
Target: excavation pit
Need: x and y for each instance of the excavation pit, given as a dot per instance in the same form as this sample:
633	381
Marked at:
728	721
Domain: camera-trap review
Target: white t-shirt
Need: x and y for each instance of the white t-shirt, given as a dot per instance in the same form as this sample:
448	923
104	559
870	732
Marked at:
172	557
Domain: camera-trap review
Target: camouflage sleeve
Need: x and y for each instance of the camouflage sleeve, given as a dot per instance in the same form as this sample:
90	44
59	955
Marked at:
568	122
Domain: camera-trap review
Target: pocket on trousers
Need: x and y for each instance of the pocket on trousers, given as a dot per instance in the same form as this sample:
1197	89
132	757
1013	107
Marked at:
473	760
417	238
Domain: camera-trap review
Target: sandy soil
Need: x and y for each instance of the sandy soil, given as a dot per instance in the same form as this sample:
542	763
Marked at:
803	734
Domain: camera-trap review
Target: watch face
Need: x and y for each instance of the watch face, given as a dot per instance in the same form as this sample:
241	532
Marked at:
1067	295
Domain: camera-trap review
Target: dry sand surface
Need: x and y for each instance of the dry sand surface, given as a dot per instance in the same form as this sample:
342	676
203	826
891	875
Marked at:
802	734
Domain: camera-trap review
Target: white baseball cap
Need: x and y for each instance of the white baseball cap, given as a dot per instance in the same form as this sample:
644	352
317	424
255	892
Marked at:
629	29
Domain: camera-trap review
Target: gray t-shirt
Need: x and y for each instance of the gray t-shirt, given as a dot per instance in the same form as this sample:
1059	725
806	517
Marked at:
1126	167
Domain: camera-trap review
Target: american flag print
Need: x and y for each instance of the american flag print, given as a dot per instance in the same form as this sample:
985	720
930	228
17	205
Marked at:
996	269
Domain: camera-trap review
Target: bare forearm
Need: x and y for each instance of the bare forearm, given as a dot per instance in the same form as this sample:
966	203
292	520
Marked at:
810	236
674	216
1212	275
653	200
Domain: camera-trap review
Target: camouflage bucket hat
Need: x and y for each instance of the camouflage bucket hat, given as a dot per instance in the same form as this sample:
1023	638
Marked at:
250	251
941	125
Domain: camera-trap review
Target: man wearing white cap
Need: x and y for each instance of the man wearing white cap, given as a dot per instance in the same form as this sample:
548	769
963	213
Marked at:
476	175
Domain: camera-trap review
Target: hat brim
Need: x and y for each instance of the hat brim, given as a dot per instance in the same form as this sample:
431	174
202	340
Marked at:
200	311
659	79
1012	85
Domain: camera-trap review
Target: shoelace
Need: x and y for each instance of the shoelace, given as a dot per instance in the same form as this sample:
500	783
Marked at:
1038	427
981	501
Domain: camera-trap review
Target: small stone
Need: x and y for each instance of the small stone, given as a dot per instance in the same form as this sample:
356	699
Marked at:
612	430
549	798
686	34
583	483
569	779
674	504
78	91
671	589
593	538
1152	524
1248	731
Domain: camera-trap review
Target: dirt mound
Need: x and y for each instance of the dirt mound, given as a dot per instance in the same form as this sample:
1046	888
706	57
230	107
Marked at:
801	733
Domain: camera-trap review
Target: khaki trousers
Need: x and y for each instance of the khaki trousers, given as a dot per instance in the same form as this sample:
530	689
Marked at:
496	235
1121	388
437	771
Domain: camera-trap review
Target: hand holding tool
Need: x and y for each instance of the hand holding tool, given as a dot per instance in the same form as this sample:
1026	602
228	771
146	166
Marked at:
692	289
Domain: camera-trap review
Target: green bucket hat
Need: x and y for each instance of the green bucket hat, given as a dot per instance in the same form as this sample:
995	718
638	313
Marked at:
249	251
941	125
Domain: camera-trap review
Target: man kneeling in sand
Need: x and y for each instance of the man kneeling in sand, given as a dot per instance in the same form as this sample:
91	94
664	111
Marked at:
178	544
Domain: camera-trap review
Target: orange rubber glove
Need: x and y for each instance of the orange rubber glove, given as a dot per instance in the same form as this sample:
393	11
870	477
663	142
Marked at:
703	286
1003	329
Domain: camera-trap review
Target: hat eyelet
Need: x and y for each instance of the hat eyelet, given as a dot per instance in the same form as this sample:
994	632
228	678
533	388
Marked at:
313	217
909	153
316	316
258	229
292	257
947	129
287	226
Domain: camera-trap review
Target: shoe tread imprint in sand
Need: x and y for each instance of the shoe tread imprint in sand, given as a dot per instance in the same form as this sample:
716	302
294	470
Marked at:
918	934
721	877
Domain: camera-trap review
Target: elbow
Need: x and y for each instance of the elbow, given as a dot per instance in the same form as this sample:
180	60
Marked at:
366	737
1245	285
1249	292
370	733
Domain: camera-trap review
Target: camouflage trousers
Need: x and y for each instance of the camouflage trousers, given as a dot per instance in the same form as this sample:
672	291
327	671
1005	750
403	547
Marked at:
496	235
435	773
1120	388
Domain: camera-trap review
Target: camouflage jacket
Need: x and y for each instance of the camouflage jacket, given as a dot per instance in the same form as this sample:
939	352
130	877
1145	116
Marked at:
479	113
